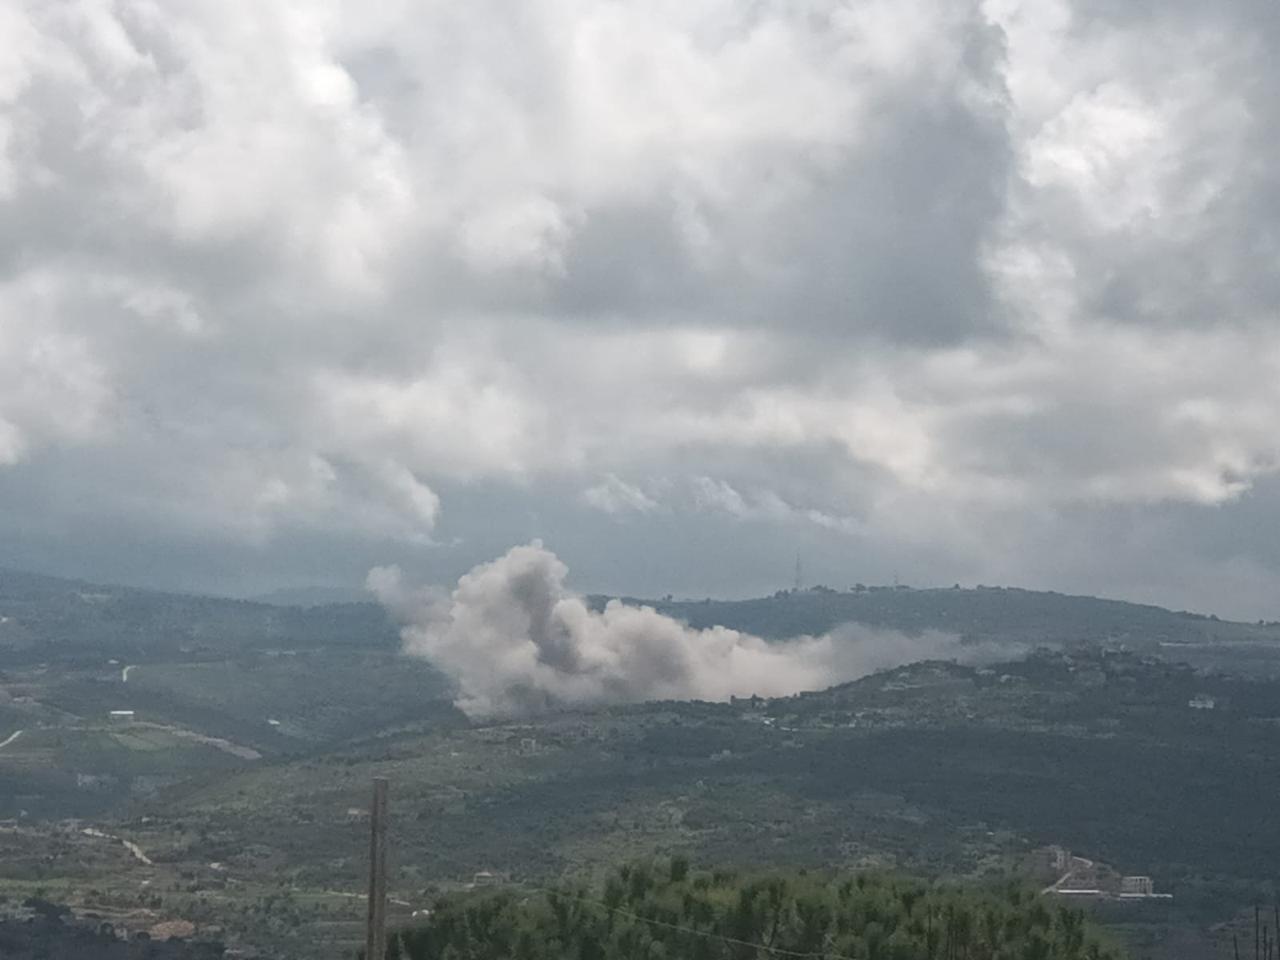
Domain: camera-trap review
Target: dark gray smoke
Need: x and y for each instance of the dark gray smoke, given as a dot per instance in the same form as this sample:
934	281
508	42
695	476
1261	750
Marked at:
516	640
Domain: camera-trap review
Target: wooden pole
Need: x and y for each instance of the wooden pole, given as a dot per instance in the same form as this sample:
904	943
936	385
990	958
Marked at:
376	940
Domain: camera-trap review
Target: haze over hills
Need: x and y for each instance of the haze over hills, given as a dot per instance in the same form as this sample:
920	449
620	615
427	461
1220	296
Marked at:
982	612
51	617
66	615
312	596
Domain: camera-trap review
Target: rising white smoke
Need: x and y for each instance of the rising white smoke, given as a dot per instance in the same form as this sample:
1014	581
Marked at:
516	640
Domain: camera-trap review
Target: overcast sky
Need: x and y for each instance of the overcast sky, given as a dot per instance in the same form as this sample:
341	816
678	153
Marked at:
958	292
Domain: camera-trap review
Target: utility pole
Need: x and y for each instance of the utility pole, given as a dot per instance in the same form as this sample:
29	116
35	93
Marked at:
799	574
376	941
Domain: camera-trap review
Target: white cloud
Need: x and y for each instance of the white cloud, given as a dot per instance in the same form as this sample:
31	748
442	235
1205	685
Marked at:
53	388
617	497
301	269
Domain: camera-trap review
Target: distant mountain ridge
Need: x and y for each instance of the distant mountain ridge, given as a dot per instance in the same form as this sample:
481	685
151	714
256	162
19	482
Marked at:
72	617
1001	615
43	616
312	596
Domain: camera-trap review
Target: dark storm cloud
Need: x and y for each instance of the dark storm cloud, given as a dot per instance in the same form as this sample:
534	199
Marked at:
917	284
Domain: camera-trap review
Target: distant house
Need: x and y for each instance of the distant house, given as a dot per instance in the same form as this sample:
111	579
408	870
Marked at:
121	716
1136	887
1202	702
1140	888
173	930
1060	858
484	878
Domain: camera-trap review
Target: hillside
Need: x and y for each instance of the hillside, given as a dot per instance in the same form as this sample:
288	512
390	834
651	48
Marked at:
45	618
46	933
995	613
244	767
937	769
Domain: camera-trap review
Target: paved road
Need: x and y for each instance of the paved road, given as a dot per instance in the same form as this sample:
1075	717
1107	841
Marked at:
12	737
226	746
138	853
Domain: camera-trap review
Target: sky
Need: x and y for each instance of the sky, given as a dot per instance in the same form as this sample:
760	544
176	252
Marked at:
943	291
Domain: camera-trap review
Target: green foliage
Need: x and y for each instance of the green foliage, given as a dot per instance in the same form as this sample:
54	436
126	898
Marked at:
668	911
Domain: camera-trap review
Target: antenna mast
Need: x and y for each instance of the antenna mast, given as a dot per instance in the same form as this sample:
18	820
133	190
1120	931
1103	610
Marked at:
376	932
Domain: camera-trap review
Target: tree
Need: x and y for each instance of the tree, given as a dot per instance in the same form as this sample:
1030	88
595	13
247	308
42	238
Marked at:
656	911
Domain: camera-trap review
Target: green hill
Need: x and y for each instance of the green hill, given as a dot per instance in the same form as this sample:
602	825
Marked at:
45	618
934	768
998	613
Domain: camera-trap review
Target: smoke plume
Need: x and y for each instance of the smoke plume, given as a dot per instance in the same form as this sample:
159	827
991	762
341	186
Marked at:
516	640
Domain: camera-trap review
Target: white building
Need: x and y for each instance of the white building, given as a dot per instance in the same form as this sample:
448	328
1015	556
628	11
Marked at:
1136	887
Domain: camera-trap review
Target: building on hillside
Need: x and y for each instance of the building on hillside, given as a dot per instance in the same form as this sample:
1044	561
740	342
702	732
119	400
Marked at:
1136	887
1053	860
121	716
1202	702
1086	879
173	930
